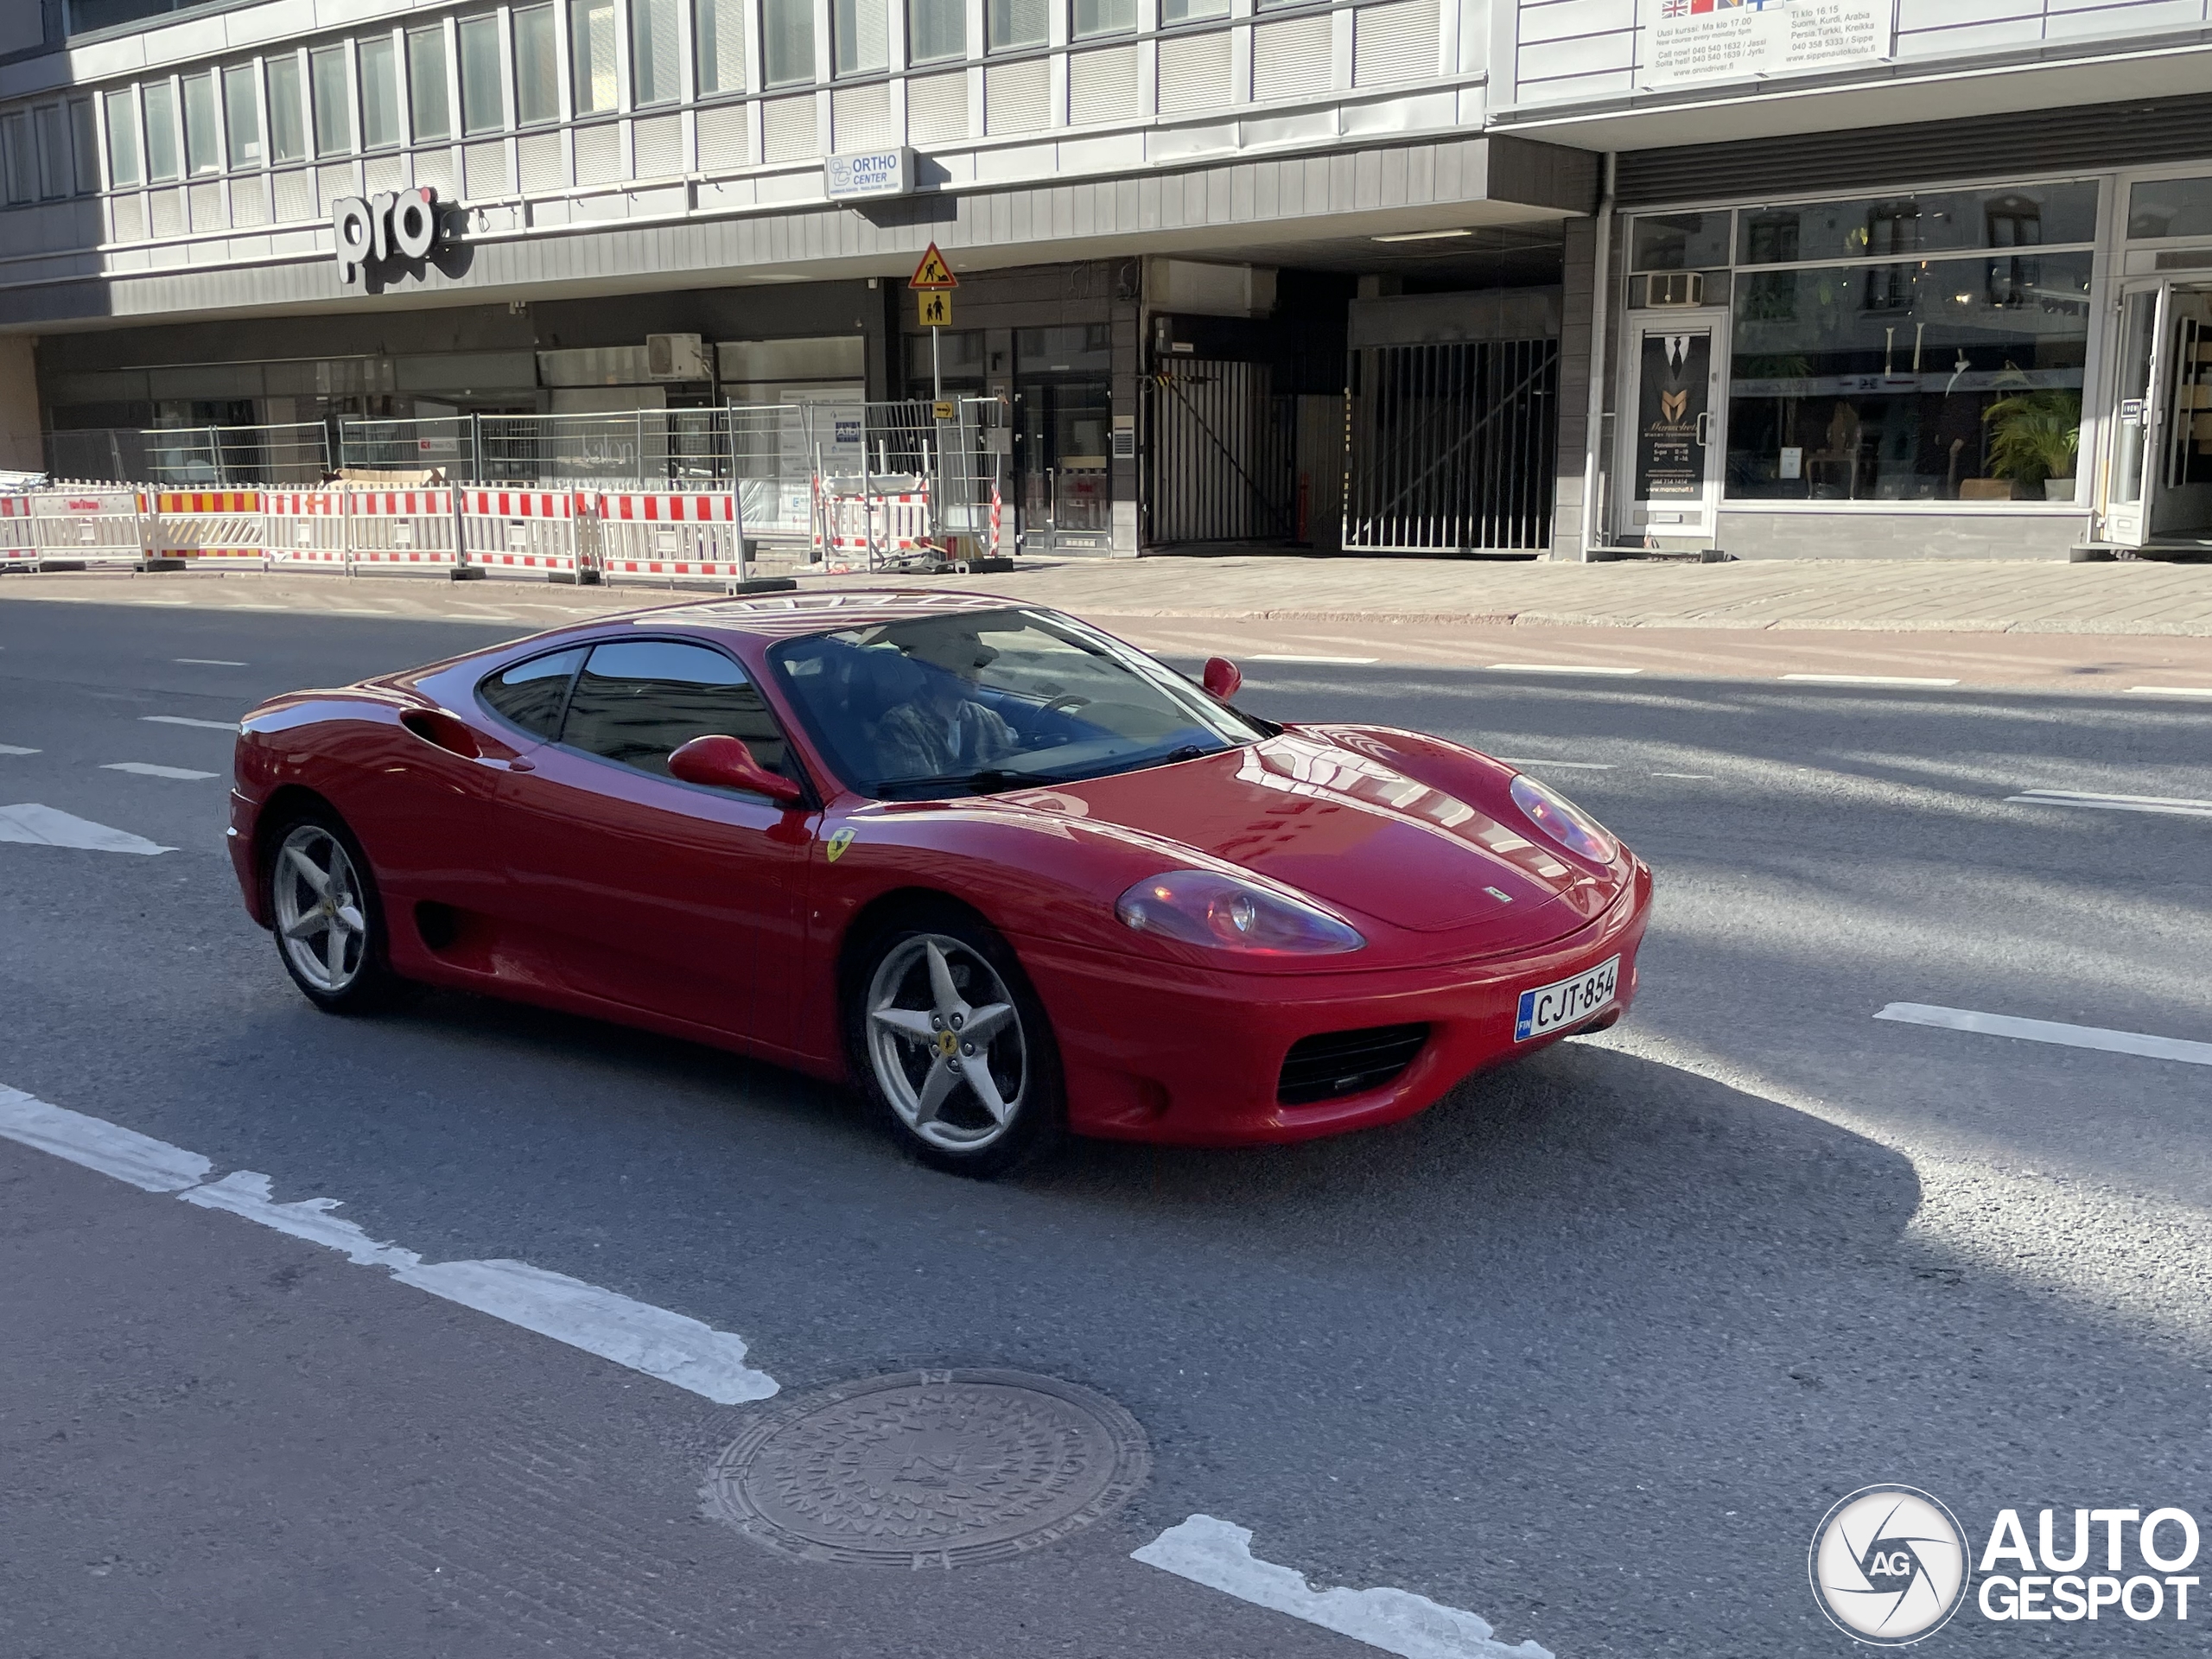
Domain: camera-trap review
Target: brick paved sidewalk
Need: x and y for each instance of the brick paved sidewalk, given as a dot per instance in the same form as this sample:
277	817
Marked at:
1885	596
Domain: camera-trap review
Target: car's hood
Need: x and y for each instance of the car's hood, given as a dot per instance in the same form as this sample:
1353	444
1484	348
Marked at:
1353	831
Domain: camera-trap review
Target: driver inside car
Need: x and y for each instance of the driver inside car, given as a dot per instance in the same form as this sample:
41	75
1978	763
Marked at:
939	727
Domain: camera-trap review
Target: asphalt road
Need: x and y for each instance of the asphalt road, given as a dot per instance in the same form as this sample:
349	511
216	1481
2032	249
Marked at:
1586	1349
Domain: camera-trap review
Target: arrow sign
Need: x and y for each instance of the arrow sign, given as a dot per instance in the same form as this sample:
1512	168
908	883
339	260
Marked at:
933	272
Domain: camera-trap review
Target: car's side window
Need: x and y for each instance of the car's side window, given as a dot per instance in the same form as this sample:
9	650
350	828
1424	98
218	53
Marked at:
638	701
529	695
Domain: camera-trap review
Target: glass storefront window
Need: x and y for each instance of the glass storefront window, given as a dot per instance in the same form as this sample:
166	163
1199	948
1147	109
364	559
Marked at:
483	108
860	30
160	131
379	93
2171	208
1904	381
2024	215
537	74
428	100
719	44
122	142
334	119
655	77
287	131
935	29
201	157
1678	241
241	116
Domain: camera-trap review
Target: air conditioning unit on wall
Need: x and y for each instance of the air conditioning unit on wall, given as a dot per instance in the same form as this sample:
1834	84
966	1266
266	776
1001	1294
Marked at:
676	357
1663	289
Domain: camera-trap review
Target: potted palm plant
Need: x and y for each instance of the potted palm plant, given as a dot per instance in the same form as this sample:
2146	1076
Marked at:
2034	437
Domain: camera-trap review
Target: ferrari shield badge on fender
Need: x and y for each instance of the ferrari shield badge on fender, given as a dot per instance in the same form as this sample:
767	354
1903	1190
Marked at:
838	842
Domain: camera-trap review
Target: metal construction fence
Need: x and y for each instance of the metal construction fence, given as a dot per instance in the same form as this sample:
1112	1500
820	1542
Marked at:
194	457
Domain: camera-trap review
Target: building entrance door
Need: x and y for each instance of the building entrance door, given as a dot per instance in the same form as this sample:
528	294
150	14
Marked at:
1672	446
2158	448
1063	442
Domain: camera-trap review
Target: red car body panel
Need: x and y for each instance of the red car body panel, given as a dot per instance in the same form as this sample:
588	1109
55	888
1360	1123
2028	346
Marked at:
527	870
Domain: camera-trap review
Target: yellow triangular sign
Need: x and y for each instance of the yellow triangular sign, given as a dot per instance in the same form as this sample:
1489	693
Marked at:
933	272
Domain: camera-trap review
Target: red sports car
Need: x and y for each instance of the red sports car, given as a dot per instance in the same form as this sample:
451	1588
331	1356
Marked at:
1010	876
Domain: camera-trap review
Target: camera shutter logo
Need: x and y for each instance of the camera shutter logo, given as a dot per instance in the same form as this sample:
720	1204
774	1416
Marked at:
1888	1565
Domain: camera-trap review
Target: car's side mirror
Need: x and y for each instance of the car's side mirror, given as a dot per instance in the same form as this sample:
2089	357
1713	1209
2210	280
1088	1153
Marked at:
723	762
1222	678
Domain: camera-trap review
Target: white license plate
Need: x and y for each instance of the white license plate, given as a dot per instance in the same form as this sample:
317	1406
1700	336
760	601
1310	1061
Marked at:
1549	1006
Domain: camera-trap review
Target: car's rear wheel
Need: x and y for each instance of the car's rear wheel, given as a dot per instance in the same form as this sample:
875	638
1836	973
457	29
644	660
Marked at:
950	1038
327	917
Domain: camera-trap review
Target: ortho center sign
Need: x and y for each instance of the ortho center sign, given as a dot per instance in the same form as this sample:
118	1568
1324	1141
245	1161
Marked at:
406	226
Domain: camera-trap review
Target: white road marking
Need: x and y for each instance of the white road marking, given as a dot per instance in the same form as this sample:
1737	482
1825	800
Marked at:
1705	775
10	748
2051	1031
1865	679
1279	656
186	719
147	769
47	826
2178	805
1558	668
1577	766
221	662
2170	690
673	1347
1218	1555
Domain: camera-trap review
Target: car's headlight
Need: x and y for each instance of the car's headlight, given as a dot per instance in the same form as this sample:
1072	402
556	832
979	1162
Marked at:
1221	912
1563	821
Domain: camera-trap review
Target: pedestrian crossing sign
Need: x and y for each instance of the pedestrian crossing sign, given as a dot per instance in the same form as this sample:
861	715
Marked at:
936	306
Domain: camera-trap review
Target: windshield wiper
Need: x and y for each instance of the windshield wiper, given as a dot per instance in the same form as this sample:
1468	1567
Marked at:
986	781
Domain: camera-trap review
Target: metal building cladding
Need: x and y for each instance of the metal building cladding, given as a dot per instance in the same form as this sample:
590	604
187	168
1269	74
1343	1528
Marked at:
1323	275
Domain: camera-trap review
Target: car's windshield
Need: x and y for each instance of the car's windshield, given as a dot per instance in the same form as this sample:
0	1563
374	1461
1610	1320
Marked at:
964	704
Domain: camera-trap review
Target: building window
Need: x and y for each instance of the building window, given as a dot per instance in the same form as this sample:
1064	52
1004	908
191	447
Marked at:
160	131
860	30
537	72
656	73
2160	207
428	102
333	116
1933	221
379	93
56	172
787	41
287	130
122	142
1191	12
201	156
591	54
1678	242
1104	17
85	143
483	106
720	43
1009	25
241	116
1896	382
22	165
935	29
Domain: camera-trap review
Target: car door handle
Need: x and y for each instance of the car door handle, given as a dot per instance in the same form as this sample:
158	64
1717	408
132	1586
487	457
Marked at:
520	765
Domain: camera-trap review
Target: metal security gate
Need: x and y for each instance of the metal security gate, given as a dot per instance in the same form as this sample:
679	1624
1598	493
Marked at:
1451	448
1222	465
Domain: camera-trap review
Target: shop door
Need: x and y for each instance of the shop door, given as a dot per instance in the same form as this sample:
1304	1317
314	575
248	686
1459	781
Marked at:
1061	457
2131	440
1672	445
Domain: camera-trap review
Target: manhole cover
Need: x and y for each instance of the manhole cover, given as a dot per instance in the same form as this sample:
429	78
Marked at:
930	1469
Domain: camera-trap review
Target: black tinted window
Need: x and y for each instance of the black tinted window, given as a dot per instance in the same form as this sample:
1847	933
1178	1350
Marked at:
640	701
529	694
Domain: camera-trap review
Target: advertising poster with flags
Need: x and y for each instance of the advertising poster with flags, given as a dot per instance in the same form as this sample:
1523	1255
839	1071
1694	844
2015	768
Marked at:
1715	39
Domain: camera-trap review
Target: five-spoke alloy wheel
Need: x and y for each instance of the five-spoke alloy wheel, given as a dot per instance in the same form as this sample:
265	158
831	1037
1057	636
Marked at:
957	1048
322	907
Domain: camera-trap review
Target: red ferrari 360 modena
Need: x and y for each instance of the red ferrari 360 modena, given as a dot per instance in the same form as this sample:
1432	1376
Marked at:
1009	875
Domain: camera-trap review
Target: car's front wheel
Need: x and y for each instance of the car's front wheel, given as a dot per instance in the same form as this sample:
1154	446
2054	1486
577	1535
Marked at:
325	911
950	1038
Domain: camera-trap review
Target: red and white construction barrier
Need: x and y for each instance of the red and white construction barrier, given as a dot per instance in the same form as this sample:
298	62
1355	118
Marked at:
653	533
92	525
18	550
209	527
891	525
410	530
541	532
304	530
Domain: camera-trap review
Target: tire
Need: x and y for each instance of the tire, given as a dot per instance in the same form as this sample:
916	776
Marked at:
326	916
917	988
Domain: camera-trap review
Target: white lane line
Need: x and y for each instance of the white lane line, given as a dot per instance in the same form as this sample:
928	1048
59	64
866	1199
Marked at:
1219	1554
2170	690
2051	1031
10	748
2178	805
1865	679
672	1347
222	662
1577	766
186	719
1282	656
147	769
46	826
1707	776
1558	668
